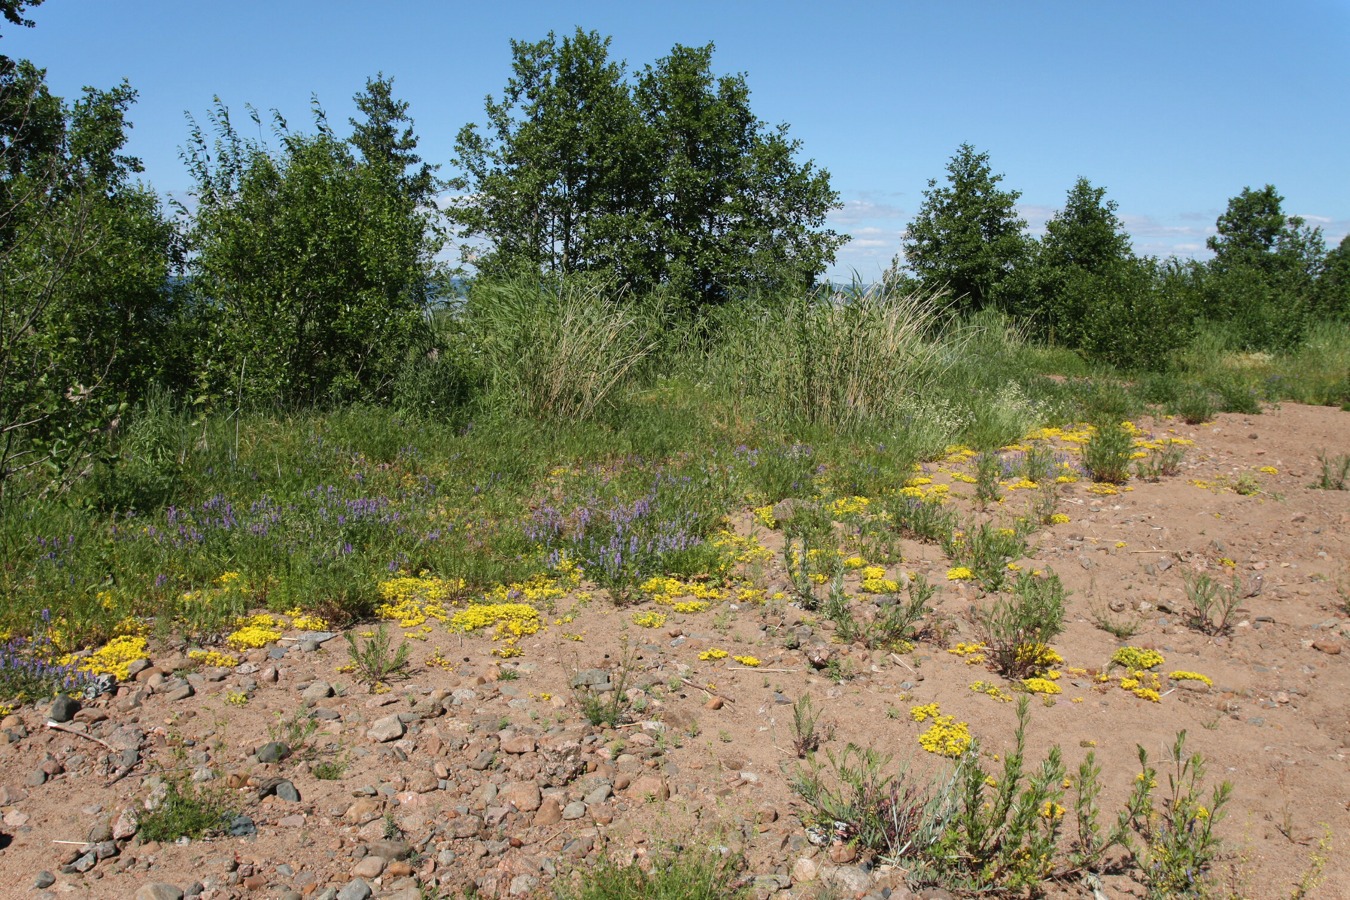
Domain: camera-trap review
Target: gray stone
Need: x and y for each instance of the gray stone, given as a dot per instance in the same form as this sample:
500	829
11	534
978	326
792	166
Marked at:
286	791
158	891
574	810
273	751
389	849
242	826
63	709
356	889
319	690
182	692
596	679
390	728
44	879
853	879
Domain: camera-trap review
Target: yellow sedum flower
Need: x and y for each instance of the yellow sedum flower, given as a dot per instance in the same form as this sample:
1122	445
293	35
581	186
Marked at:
113	658
649	619
750	662
960	573
1190	676
712	653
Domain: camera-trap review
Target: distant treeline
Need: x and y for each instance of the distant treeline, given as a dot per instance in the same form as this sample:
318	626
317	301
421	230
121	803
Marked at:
308	271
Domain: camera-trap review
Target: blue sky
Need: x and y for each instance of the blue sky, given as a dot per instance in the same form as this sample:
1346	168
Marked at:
1172	106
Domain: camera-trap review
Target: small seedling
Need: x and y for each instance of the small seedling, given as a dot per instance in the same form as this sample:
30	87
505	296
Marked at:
372	659
804	737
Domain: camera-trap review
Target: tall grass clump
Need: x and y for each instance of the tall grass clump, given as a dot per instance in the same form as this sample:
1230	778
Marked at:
554	351
841	359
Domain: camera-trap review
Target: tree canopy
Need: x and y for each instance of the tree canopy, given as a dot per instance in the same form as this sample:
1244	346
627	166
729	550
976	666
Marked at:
666	181
967	235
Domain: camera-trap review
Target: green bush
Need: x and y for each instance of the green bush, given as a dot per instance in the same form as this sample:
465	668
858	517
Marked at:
1107	453
556	352
188	810
1018	628
681	874
839	359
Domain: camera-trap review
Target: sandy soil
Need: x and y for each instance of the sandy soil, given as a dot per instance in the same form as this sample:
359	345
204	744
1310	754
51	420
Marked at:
484	783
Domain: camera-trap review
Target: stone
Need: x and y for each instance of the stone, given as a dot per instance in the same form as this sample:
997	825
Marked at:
182	692
389	849
158	891
126	825
389	728
63	709
363	811
370	867
318	690
356	889
44	879
1329	647
843	853
574	810
272	752
286	791
805	870
242	826
523	886
652	787
852	879
523	795
519	743
549	813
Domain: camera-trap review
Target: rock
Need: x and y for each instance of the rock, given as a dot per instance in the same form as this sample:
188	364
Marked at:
805	870
242	826
818	657
389	849
843	853
523	885
370	867
650	787
272	752
363	811
356	889
523	795
851	879
182	692
596	679
574	810
390	728
549	813
1330	647
158	891
519	743
319	690
44	879
63	709
286	791
714	703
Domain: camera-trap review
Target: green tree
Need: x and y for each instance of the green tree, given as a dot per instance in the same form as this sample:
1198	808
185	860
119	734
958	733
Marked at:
85	255
967	235
552	180
733	210
311	267
1333	286
1085	240
385	139
670	182
1262	284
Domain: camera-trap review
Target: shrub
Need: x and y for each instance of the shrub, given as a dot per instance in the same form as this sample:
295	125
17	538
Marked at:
556	354
1211	604
1107	453
679	875
373	660
1032	617
838	359
187	810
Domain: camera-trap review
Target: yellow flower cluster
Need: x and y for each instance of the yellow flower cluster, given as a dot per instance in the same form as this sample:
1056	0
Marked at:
1038	685
1102	488
1144	685
750	662
936	493
302	621
945	736
963	477
213	659
1269	470
1190	676
973	653
1137	658
664	590
991	690
1021	484
849	506
649	619
737	550
113	658
412	601
253	632
511	619
1051	811
236	698
712	654
1039	658
879	586
855	562
764	516
1059	519
960	573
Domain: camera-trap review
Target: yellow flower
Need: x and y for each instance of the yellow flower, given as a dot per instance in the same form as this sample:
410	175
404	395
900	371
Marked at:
1190	676
712	653
748	661
959	573
649	619
1052	811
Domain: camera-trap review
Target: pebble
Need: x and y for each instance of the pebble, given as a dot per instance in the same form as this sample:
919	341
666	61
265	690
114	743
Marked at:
63	709
273	751
390	728
44	879
1332	648
158	891
356	889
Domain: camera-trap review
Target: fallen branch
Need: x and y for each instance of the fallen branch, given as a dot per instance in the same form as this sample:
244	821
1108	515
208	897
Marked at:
704	688
58	727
